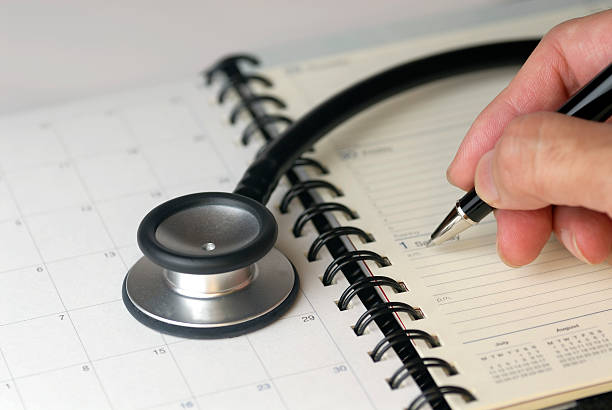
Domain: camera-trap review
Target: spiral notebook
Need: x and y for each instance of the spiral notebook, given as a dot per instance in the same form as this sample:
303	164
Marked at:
380	322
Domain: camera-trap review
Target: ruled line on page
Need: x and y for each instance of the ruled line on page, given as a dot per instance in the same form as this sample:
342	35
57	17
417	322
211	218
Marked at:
536	326
523	297
529	306
534	316
521	287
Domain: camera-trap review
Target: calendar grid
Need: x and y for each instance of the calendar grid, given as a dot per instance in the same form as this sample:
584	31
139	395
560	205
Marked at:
144	156
65	310
119	255
357	376
196	119
12	379
166	344
268	376
82	236
191	395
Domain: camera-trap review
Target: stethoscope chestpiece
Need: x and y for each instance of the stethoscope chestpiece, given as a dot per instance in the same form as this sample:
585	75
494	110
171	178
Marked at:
209	268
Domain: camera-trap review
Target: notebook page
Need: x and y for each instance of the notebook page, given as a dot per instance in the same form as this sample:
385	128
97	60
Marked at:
515	335
75	181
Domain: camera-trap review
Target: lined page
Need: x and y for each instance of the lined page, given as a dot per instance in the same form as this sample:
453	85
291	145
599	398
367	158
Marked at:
515	335
402	177
506	326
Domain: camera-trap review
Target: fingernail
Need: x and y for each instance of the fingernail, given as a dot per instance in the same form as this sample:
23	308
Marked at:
569	241
485	186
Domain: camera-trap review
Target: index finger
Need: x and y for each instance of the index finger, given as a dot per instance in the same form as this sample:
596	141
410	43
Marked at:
566	58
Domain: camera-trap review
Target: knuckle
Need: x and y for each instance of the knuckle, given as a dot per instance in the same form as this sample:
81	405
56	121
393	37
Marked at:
562	30
519	163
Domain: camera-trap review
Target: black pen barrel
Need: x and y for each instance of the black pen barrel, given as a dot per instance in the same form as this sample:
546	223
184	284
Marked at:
594	100
474	207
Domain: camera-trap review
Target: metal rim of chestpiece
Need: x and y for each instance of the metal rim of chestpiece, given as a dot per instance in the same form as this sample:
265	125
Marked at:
209	268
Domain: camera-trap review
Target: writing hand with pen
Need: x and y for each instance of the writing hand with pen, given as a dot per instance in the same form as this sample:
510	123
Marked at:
544	171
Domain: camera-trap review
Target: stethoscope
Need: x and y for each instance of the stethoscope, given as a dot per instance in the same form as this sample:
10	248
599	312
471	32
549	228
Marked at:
210	268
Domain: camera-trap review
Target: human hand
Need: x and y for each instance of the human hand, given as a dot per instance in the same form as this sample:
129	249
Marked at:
545	171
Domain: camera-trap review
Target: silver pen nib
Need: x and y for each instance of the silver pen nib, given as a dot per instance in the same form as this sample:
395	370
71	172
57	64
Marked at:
454	223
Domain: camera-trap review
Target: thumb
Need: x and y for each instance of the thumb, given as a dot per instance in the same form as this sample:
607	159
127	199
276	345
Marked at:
548	158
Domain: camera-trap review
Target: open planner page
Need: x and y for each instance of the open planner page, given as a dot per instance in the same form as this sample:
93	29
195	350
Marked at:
535	335
75	181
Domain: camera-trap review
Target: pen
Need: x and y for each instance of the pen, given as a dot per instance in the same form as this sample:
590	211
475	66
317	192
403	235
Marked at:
593	102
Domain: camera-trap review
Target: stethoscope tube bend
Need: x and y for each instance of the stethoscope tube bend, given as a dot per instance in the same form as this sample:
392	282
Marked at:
210	268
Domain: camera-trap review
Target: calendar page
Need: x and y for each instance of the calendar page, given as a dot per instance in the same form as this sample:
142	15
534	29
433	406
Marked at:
75	182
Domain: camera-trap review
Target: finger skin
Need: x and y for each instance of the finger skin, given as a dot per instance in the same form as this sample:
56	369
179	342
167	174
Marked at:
549	158
521	235
585	233
566	58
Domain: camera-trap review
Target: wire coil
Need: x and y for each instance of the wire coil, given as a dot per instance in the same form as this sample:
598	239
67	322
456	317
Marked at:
400	336
318	209
407	369
367	282
362	284
300	187
333	233
350	257
437	393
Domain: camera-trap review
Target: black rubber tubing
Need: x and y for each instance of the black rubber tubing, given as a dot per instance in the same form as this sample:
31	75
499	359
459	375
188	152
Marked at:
262	176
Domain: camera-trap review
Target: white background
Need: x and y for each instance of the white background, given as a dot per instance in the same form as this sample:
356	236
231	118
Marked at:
54	51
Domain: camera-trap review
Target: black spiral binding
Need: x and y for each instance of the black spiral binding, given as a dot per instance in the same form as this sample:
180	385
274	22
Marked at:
304	162
348	261
300	187
397	337
318	209
364	283
262	121
437	394
242	105
351	257
406	369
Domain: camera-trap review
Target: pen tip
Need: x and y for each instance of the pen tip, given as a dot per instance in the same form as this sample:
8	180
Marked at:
429	243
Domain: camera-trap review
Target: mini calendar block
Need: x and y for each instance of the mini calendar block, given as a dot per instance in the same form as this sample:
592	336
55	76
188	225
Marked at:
579	347
75	387
53	338
515	363
205	373
122	333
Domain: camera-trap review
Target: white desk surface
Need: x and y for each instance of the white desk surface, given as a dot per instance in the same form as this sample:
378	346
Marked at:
57	51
